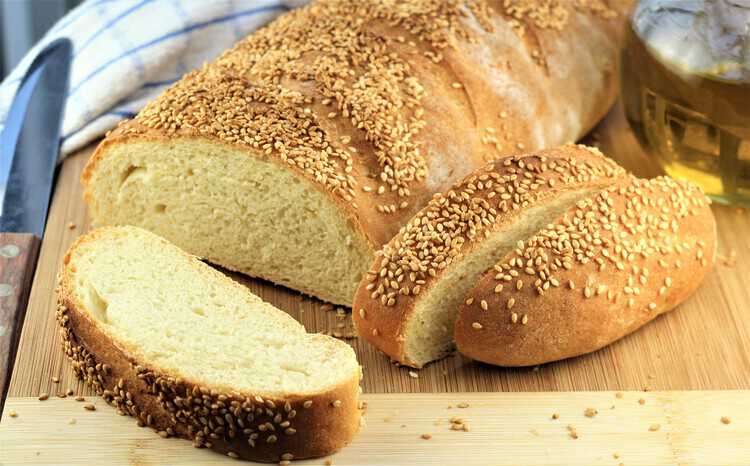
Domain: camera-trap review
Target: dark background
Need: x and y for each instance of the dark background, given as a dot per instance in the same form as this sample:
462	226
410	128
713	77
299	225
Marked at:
23	23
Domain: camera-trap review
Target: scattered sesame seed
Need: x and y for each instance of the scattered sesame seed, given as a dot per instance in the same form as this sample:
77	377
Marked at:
336	403
413	375
307	404
456	85
477	325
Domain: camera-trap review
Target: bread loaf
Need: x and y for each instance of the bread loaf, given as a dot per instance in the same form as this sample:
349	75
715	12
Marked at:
409	300
303	149
188	352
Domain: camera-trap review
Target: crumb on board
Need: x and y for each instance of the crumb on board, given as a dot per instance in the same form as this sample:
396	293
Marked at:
43	396
572	432
72	422
328	462
80	398
654	427
590	412
89	407
725	420
618	395
55	379
463	405
615	455
426	436
555	416
641	401
413	375
12	413
71	226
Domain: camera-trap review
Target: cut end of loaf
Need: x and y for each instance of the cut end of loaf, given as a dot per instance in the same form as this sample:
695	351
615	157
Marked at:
226	206
411	295
607	266
147	323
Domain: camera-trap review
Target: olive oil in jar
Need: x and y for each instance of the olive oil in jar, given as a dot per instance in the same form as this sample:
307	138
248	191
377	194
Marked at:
686	90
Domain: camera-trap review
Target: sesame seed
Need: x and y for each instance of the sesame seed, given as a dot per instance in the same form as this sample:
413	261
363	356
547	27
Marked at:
336	403
413	375
456	85
525	319
477	325
307	404
514	317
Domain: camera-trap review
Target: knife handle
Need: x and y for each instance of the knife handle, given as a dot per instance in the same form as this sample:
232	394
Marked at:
18	255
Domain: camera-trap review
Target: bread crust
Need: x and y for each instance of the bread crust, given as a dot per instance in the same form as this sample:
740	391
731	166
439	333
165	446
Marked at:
500	77
173	406
384	325
653	264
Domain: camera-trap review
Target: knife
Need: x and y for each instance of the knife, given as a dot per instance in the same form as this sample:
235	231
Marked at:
29	148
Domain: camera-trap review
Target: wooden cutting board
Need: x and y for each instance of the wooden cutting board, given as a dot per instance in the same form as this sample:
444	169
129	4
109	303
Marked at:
703	345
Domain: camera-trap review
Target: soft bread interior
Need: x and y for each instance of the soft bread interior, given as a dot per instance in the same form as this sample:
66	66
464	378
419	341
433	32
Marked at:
429	327
178	315
243	212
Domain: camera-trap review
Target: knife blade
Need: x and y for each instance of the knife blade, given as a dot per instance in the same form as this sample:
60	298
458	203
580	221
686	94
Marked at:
29	149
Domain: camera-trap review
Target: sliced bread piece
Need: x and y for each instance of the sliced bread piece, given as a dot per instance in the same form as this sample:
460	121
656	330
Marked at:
169	340
409	301
604	268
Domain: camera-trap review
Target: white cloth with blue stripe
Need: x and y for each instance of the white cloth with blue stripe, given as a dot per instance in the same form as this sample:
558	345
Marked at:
127	51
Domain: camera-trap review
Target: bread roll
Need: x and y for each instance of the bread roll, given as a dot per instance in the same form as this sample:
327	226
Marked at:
303	149
536	258
165	338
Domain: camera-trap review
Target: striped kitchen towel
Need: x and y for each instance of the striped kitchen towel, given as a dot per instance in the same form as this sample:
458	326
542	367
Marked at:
125	52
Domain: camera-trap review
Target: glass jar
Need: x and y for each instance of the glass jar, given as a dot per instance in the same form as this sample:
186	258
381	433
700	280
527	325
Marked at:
686	90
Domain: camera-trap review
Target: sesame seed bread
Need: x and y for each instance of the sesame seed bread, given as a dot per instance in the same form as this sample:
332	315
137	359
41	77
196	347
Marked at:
409	301
188	352
302	150
574	263
610	264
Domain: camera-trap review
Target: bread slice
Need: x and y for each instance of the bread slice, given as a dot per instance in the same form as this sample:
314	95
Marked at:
299	152
169	340
599	271
409	302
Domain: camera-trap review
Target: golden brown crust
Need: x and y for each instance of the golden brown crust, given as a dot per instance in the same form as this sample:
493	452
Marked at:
373	120
241	425
453	224
610	265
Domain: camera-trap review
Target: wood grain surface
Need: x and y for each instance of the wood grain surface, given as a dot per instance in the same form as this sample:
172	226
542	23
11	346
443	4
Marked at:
678	428
704	344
